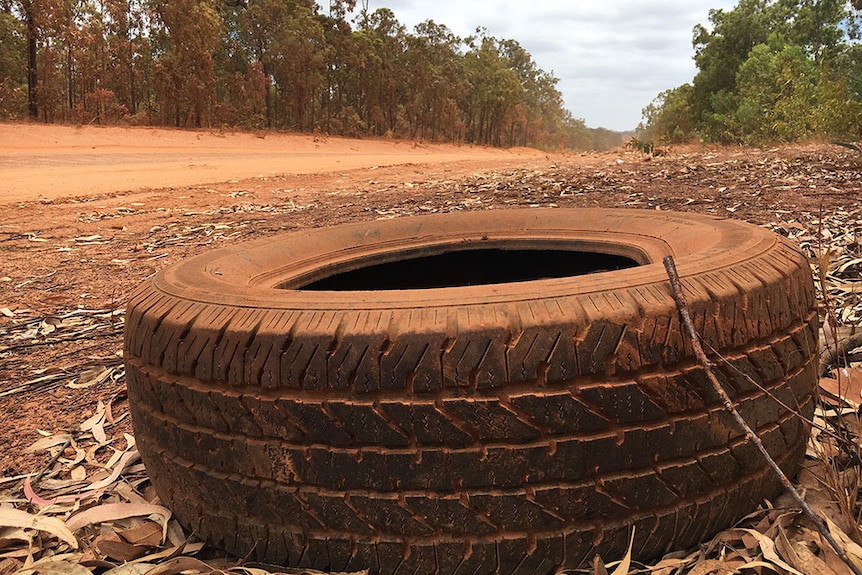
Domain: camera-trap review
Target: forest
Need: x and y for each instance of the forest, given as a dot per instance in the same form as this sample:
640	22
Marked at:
768	72
276	64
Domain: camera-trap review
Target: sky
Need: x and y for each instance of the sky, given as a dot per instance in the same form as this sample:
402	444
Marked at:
612	57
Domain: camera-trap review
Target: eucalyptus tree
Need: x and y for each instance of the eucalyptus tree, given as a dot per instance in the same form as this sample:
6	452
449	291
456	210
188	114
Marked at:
808	46
13	66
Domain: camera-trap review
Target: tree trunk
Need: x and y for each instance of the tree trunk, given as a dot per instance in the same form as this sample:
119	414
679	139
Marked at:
32	76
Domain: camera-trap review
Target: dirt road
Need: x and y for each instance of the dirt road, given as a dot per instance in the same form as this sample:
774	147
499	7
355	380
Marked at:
49	162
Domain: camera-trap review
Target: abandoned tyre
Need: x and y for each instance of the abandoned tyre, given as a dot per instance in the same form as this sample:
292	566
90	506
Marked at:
501	391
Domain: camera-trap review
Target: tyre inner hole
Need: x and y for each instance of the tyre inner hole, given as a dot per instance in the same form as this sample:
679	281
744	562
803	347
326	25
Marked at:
471	268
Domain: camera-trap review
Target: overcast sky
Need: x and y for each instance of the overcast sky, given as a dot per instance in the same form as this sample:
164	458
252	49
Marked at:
612	57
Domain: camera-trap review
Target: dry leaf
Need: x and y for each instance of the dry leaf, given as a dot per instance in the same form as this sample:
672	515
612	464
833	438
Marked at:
91	377
179	564
24	520
809	562
148	534
854	551
114	511
767	546
185	548
711	566
110	545
130	569
99	432
10	534
127	458
845	384
48	442
9	566
94	419
59	565
598	566
623	567
35	499
667	566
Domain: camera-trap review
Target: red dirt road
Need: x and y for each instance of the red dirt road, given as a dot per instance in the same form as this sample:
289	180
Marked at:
51	162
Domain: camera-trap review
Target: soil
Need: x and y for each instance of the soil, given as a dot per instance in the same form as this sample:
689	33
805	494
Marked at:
89	213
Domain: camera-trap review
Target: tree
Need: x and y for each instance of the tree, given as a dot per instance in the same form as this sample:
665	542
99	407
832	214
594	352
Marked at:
495	90
769	69
776	93
380	43
719	54
276	63
668	118
13	67
29	11
435	67
185	78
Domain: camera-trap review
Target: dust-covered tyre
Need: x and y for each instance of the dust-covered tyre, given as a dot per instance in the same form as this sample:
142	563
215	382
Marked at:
490	392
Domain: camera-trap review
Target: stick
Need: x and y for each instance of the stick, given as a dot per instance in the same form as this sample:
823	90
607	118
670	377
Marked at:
51	463
750	435
831	356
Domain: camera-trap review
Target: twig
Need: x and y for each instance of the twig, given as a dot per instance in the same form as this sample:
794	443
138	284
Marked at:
51	463
4	480
831	356
750	435
79	337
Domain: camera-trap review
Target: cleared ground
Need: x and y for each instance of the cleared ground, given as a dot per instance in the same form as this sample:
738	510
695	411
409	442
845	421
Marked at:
49	162
88	214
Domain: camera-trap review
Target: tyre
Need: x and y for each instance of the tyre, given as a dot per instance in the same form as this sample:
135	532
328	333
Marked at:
488	392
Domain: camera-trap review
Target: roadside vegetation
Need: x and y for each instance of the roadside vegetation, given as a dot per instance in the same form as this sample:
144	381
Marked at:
768	72
276	64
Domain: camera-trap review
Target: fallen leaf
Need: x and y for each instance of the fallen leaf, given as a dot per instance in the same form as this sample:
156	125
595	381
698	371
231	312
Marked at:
94	419
710	566
767	546
56	566
854	551
130	569
10	534
148	534
623	567
91	377
179	564
184	548
114	511
127	458
9	566
111	546
667	566
598	566
48	442
24	520
845	384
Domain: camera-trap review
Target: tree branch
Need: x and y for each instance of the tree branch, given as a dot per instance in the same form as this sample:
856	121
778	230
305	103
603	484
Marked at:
835	351
750	435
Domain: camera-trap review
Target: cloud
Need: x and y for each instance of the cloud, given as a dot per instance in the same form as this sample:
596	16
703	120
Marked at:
612	58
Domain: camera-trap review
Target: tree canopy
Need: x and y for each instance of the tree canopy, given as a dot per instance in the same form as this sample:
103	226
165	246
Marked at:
276	64
768	71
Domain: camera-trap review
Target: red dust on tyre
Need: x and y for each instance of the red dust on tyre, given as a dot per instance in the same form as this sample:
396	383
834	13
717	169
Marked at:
295	407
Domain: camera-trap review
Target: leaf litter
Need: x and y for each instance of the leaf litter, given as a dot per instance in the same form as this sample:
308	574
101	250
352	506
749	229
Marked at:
95	488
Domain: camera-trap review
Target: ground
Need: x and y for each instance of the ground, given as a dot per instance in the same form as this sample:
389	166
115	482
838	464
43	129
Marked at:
88	213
